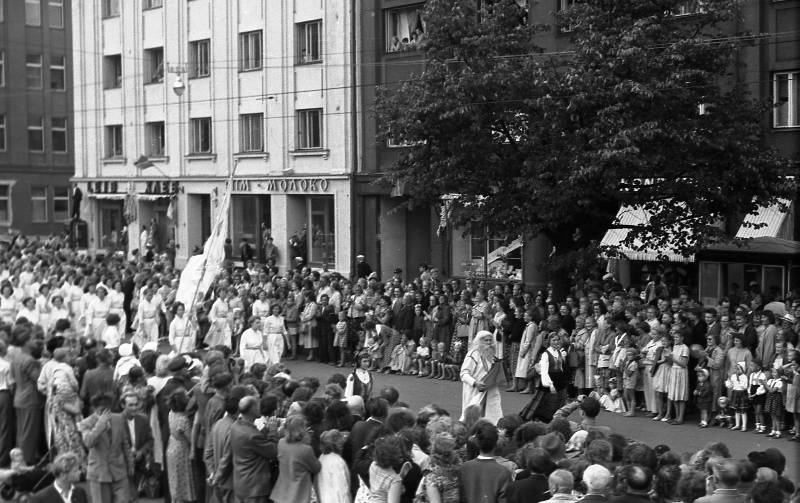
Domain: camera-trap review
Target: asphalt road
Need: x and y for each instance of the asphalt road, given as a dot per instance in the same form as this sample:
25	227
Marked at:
687	437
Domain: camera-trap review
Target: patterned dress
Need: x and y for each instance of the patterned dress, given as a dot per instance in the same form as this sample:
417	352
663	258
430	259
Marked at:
678	381
179	466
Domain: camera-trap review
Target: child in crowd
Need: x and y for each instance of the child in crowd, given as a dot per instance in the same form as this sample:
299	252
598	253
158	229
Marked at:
340	337
398	356
703	396
791	374
451	364
737	383
723	417
612	401
630	377
422	358
291	316
439	351
757	394
774	403
408	362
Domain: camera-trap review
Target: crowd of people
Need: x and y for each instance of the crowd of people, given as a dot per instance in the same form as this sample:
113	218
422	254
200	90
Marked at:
105	376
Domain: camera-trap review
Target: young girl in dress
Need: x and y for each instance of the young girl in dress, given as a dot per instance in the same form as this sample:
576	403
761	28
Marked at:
340	337
360	381
737	383
757	394
408	357
703	396
774	404
630	376
422	357
436	360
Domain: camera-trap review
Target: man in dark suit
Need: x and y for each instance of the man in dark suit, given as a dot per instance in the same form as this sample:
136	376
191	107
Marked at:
404	321
140	437
67	470
362	432
252	452
637	480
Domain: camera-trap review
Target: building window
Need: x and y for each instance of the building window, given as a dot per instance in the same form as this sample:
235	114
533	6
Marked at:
58	131
689	7
33	71
33	12
309	39
154	136
152	4
154	65
112	71
201	135
482	254
2	68
323	230
55	13
113	141
251	138
61	204
309	128
199	52
5	203
786	97
2	133
35	134
110	8
58	72
38	203
405	29
250	50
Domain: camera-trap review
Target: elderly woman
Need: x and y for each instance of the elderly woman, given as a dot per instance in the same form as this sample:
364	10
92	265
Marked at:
298	464
478	377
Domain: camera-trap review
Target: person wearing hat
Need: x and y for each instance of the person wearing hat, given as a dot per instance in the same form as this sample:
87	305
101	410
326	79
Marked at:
477	376
363	269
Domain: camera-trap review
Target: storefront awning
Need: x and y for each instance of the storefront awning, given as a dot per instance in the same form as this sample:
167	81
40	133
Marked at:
766	245
499	253
771	220
632	216
152	197
117	197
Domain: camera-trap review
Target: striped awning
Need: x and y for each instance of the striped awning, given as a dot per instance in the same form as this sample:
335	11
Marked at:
635	216
771	220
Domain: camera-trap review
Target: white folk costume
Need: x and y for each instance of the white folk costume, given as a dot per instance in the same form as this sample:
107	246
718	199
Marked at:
146	320
475	369
96	312
44	311
261	309
182	335
220	332
359	383
117	300
274	329
8	309
252	348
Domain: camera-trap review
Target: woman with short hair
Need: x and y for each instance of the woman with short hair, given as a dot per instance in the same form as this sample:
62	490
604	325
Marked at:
298	464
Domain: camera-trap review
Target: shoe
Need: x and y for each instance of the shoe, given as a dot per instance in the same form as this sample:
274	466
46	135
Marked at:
734	427
703	424
629	414
744	428
665	419
777	435
795	438
657	418
526	392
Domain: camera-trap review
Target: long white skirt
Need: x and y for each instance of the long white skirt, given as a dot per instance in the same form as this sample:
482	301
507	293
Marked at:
275	347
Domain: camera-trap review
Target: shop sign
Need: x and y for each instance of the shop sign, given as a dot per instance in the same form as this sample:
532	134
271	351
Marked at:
161	187
283	185
106	187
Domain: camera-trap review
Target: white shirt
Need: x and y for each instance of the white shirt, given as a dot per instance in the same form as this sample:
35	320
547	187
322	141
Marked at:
66	495
132	429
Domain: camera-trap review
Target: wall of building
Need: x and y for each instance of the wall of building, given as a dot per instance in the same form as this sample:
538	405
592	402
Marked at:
25	172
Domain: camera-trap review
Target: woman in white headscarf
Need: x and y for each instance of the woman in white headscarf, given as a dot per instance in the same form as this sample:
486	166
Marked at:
479	386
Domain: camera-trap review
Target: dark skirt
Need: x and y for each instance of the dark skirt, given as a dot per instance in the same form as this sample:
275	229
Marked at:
774	403
543	405
739	400
513	355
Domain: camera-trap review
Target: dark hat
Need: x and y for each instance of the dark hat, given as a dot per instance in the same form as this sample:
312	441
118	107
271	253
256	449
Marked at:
553	444
177	364
770	458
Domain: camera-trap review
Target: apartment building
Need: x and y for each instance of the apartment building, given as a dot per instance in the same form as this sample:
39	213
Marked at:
174	99
36	128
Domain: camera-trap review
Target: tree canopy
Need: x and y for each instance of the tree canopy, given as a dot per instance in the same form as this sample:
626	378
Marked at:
531	140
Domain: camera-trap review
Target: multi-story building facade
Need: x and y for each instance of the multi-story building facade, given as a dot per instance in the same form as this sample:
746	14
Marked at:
173	99
389	238
36	152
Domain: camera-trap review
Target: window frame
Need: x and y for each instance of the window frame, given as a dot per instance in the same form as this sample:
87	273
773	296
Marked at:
152	4
3	133
112	81
388	23
59	5
303	43
28	4
248	63
39	199
61	198
303	135
197	127
247	137
153	65
196	63
62	68
149	129
6	199
32	127
792	99
327	234
29	66
61	130
2	67
110	8
110	134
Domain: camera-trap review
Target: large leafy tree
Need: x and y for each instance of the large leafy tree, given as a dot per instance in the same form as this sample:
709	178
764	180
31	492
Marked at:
537	141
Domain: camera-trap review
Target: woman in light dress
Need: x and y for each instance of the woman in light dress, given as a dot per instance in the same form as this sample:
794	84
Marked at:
678	380
182	330
277	336
220	316
57	311
308	323
260	307
73	296
252	347
43	307
650	353
527	351
145	323
479	317
28	310
8	304
96	311
117	299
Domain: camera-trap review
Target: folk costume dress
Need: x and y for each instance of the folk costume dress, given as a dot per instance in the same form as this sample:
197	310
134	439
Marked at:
182	334
220	333
96	313
146	321
475	369
274	328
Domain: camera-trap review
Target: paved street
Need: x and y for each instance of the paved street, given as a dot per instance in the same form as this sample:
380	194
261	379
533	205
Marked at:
687	437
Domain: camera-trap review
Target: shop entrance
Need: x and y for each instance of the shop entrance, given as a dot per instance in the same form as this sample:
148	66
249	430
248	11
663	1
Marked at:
110	225
250	220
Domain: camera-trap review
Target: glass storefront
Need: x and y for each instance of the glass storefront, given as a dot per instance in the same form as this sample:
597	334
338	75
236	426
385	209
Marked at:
247	215
718	278
322	223
110	225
